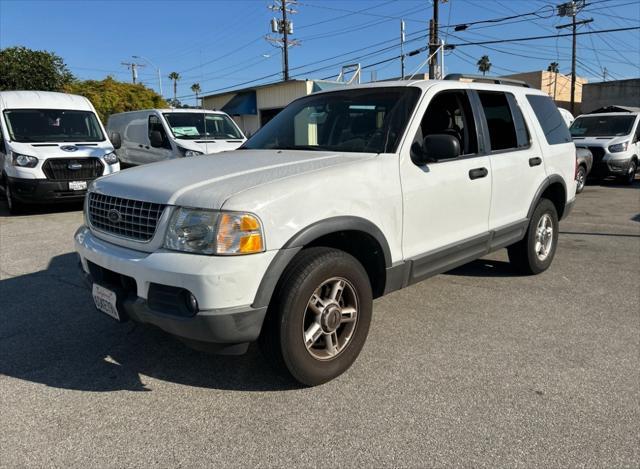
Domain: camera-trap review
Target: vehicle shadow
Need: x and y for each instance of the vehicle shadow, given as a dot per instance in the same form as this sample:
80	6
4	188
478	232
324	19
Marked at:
37	209
50	333
614	182
484	268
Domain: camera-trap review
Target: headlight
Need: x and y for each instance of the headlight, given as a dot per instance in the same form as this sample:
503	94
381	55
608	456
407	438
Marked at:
212	232
619	147
111	158
186	152
24	160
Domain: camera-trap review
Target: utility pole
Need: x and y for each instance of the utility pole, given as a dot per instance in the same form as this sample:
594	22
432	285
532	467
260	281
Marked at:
284	27
154	66
572	9
434	42
604	74
402	39
134	70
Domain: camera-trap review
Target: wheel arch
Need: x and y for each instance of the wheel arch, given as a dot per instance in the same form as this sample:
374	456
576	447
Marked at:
354	235
554	189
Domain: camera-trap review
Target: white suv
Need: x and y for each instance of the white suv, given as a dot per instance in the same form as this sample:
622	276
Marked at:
343	197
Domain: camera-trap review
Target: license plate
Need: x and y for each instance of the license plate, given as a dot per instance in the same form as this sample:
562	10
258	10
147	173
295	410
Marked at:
105	301
77	185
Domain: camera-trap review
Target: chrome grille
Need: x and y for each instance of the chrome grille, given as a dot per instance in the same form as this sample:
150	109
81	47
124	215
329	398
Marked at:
128	218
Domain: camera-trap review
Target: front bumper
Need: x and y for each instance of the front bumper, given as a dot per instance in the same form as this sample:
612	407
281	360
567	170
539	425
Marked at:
224	288
44	191
609	166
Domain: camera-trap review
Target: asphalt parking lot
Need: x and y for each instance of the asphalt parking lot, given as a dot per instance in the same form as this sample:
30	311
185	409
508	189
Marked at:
476	367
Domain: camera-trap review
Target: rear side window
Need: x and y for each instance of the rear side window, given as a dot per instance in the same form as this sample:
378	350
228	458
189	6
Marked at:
553	125
502	128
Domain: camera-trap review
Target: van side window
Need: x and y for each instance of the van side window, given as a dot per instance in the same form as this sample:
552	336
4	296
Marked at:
553	125
156	125
449	112
500	121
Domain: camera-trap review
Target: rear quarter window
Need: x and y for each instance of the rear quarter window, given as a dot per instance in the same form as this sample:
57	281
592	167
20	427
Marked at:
553	125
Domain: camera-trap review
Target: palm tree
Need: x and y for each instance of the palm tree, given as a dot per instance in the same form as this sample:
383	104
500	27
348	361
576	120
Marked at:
554	67
175	76
195	88
484	64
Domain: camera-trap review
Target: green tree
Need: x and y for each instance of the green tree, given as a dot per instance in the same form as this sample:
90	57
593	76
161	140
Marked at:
26	69
195	88
174	76
484	64
110	96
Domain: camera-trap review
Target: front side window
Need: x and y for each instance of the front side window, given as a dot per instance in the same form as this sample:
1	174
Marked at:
602	126
52	125
449	112
368	120
553	125
155	125
202	126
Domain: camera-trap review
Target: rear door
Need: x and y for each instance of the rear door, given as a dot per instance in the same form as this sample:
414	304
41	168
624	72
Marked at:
516	158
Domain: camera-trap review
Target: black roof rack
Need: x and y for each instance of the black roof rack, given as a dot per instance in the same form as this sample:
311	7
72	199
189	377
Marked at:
483	79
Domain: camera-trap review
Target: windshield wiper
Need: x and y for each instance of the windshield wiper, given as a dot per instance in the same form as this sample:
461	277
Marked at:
300	147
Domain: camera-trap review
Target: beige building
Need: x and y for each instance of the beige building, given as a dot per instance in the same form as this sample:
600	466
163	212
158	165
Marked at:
556	85
253	107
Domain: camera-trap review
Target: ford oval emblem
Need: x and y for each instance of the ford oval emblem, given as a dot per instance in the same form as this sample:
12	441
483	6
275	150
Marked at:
114	216
74	166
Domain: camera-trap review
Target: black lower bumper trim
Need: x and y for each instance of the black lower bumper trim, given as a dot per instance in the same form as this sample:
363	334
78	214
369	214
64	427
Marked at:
44	191
227	326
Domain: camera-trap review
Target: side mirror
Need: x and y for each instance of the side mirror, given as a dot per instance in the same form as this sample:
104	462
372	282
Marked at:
434	148
155	139
116	140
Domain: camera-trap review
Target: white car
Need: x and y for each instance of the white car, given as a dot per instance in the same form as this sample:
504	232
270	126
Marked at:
613	139
52	145
161	134
343	197
567	116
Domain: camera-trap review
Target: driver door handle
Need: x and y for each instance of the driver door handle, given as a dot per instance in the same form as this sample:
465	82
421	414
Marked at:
537	161
478	173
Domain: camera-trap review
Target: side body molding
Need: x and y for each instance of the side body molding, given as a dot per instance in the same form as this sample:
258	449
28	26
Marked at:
306	236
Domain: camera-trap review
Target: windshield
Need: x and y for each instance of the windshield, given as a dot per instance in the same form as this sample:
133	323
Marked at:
201	126
53	125
369	120
602	126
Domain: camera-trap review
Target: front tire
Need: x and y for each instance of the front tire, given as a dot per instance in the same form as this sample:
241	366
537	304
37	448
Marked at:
535	252
631	173
320	317
15	207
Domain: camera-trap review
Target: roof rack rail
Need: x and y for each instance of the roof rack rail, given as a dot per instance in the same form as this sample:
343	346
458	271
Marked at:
483	79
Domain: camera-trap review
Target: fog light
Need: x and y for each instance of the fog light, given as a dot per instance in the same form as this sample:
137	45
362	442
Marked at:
192	303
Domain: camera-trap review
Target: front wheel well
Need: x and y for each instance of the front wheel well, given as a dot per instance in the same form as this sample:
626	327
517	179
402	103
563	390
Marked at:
365	248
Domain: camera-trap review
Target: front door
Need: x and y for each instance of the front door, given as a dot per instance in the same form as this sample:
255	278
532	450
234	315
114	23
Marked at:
446	203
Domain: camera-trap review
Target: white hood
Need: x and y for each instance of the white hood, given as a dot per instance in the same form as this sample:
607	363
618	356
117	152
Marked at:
207	182
43	151
600	141
209	146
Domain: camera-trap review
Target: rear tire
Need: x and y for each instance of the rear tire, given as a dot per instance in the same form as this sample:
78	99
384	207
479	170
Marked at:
581	178
319	318
535	252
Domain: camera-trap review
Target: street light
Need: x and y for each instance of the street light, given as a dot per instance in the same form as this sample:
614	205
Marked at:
154	66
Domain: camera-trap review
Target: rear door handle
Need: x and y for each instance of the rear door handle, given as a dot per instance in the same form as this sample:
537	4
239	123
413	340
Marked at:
537	161
478	173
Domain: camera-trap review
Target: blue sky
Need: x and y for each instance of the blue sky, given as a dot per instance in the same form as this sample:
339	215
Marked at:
220	43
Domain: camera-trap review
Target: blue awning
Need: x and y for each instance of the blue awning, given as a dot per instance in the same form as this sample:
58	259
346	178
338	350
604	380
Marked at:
242	104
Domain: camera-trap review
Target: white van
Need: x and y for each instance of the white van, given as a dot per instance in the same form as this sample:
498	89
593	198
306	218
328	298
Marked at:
52	145
612	134
163	134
